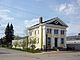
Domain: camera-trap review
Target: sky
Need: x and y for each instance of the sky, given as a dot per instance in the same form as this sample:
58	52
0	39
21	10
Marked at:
25	13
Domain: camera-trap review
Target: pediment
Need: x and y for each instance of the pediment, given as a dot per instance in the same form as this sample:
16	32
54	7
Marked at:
55	23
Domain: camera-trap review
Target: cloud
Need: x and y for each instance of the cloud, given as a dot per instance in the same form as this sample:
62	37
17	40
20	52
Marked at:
4	15
73	28
66	8
31	22
78	2
4	10
70	9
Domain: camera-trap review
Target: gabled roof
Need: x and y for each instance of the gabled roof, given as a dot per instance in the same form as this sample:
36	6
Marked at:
52	20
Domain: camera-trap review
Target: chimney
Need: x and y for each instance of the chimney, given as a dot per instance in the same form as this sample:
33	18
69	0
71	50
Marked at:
40	20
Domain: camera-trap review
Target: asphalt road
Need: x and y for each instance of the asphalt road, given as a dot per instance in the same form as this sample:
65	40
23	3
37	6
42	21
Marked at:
8	54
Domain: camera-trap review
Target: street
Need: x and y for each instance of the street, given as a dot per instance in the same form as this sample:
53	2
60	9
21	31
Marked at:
8	54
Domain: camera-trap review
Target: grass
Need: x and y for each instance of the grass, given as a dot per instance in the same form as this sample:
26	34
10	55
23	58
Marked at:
27	50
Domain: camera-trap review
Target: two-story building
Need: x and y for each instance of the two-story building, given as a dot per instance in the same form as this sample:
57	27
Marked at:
49	34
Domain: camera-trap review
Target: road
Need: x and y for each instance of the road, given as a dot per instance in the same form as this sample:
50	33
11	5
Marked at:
8	54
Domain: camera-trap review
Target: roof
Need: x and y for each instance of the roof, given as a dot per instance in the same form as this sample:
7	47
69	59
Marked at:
53	19
76	37
73	42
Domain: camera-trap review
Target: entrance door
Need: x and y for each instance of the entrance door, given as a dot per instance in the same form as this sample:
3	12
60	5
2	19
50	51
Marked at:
56	41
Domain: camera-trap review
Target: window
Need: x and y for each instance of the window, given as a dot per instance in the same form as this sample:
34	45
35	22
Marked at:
49	41
35	32
62	40
49	31
62	32
55	31
38	31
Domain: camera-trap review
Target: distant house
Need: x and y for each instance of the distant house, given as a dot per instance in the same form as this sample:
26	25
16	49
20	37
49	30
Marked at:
18	41
73	42
49	34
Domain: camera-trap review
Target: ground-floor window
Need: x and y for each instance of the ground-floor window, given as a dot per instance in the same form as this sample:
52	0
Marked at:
62	40
49	41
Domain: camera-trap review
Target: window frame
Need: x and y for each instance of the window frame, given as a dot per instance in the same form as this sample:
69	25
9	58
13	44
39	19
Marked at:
62	32
49	30
56	31
62	40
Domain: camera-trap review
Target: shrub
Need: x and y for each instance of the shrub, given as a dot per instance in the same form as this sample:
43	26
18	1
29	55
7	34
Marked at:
15	44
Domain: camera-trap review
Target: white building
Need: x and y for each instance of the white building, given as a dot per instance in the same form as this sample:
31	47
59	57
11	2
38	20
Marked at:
49	34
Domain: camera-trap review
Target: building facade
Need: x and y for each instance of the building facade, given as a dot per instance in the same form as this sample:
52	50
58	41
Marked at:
49	34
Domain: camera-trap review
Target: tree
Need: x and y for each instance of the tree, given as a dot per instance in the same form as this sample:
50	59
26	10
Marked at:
23	44
26	33
33	42
15	44
9	35
27	41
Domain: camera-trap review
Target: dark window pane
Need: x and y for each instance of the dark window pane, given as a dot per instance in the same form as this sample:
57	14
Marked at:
49	31
62	40
62	32
55	31
49	40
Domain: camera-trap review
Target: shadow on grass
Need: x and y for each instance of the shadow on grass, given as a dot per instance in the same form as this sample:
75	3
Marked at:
27	50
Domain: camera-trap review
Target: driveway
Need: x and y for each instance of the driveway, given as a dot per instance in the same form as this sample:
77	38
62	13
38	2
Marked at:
8	54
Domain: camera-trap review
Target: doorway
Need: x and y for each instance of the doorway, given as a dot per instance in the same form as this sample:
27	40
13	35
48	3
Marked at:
56	42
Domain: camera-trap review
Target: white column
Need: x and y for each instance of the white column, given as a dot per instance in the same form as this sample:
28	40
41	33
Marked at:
59	39
44	36
40	27
65	39
52	40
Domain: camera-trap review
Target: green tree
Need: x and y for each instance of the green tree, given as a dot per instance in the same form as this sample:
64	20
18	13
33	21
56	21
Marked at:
9	35
27	41
33	42
15	44
23	44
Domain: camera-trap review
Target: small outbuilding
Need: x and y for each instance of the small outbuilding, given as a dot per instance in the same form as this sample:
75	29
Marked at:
73	42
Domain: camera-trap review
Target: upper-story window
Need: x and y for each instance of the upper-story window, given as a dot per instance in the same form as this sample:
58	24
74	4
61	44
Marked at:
55	31
38	31
62	32
35	32
49	31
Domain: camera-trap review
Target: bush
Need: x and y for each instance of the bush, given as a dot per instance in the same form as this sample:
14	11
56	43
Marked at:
33	51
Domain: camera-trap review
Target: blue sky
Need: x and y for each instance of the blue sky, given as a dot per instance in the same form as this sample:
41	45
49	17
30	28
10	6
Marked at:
24	13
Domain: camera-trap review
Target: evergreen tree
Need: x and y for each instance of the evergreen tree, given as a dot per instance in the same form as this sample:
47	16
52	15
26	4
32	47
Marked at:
11	32
9	35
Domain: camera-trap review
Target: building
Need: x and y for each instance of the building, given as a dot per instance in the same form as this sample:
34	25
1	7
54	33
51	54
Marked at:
73	42
49	34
